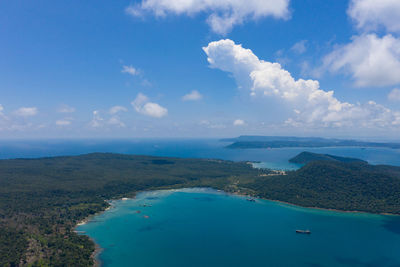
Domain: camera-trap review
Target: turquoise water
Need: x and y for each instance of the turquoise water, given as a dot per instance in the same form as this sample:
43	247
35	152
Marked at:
203	227
209	228
287	166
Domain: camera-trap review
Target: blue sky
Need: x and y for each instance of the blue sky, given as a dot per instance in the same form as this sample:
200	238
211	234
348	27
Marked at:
158	68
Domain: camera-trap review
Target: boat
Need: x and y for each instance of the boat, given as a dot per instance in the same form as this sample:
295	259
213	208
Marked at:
251	199
303	232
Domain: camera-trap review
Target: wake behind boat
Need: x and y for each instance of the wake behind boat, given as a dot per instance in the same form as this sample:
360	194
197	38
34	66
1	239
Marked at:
303	232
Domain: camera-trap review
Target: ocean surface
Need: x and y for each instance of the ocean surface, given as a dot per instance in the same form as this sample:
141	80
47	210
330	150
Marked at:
203	227
187	148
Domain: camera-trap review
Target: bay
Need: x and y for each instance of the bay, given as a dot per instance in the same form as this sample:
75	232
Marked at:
204	227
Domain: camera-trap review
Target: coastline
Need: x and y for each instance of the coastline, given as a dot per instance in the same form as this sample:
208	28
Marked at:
97	250
96	253
314	208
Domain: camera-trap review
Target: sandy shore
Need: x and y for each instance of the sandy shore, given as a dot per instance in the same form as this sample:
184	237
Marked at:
98	249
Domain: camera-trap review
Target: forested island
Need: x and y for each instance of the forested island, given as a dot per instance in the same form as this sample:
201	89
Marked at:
41	200
248	142
306	157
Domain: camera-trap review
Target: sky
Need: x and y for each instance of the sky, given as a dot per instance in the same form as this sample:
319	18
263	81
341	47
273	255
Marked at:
199	68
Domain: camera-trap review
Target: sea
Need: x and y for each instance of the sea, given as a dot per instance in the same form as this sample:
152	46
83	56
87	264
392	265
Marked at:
206	227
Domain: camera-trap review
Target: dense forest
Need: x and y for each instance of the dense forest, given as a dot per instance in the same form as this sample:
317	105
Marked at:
348	185
306	157
41	200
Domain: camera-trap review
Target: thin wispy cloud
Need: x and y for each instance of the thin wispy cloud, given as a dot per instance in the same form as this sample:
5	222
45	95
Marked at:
66	109
26	111
130	70
117	109
63	122
192	96
394	95
299	47
238	122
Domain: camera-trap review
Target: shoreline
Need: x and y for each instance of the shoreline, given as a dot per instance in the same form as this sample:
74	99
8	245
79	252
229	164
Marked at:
98	249
314	208
96	253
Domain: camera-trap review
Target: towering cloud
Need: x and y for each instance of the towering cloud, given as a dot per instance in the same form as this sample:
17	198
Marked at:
310	105
223	14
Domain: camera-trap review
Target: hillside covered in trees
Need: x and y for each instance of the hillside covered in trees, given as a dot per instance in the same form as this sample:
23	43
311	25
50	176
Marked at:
306	157
334	183
41	200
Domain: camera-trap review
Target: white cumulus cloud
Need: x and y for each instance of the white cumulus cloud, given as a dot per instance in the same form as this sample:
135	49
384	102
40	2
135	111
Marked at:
310	105
142	105
129	70
369	59
223	15
238	122
394	95
192	96
374	14
26	111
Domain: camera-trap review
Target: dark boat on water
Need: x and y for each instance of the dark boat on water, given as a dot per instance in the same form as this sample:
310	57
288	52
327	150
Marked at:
251	199
307	232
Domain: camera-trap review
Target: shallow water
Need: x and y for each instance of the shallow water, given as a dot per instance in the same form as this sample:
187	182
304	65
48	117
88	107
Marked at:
204	227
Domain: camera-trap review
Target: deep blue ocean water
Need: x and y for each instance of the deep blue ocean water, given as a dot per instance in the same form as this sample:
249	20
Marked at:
203	227
187	148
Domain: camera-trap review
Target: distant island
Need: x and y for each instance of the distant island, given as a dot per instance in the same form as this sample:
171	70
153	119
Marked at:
248	142
42	200
306	157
